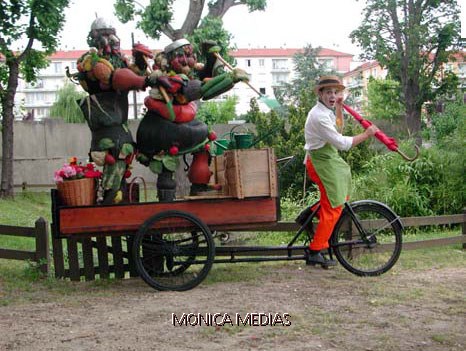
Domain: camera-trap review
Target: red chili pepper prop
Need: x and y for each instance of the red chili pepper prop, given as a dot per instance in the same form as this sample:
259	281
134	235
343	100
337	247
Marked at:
388	141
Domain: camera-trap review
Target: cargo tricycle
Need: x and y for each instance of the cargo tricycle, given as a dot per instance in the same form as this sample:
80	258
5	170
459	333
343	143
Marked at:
173	244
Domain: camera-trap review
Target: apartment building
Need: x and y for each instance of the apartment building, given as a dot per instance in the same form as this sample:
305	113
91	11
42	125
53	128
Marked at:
267	68
270	67
33	100
357	79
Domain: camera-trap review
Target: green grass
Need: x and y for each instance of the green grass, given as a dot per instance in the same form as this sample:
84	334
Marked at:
20	280
25	209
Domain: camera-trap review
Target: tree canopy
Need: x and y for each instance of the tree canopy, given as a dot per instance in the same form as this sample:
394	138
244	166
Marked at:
155	18
383	99
413	39
66	106
300	91
30	21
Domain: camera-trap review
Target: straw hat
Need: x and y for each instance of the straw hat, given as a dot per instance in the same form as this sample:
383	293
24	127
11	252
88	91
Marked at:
329	81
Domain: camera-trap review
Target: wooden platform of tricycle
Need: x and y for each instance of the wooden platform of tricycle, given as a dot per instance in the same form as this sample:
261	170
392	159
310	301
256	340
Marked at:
169	244
221	213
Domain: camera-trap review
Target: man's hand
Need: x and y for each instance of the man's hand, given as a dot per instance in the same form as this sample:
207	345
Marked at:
372	130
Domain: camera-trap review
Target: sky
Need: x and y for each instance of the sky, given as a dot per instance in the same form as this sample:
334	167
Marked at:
284	23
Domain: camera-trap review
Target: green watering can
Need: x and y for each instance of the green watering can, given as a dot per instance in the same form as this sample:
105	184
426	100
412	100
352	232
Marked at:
220	146
241	140
238	140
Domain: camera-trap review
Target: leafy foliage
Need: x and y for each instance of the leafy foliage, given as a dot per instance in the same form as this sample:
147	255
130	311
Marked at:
413	39
30	21
383	97
155	19
285	134
211	28
212	112
449	122
301	89
66	106
432	184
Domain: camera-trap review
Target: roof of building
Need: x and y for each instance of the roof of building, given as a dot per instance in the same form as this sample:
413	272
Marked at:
365	66
281	52
264	52
75	54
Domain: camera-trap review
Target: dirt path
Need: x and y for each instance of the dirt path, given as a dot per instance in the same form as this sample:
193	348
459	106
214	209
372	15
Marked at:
327	310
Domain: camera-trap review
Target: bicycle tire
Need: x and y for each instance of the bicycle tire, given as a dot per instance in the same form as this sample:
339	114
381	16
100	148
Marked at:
173	250
380	251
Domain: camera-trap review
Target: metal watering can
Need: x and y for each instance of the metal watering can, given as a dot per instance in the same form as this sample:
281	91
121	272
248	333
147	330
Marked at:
241	140
220	146
237	140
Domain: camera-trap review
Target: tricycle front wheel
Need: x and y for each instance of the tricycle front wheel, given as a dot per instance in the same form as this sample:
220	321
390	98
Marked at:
173	250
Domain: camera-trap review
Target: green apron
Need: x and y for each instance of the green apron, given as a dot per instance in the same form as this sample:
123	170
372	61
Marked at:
334	173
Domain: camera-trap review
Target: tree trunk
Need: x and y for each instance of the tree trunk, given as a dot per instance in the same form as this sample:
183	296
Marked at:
193	18
413	110
413	121
6	186
220	7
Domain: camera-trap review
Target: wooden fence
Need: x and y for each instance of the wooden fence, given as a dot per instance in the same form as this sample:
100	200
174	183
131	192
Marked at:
111	256
40	232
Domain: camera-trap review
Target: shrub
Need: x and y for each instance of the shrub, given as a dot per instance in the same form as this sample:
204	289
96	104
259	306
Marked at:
432	184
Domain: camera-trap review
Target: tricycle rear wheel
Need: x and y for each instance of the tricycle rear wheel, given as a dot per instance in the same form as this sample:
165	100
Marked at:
173	250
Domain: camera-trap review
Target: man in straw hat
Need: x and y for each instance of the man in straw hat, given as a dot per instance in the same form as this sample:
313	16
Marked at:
324	165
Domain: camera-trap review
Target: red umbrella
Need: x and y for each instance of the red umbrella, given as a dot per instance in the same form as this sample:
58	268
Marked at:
388	141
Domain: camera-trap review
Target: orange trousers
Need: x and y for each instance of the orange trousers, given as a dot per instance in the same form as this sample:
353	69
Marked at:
328	216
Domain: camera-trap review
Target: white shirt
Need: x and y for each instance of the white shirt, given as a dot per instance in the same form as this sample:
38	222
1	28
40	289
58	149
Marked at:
320	129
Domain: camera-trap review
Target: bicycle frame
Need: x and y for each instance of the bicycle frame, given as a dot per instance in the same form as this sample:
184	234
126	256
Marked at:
354	219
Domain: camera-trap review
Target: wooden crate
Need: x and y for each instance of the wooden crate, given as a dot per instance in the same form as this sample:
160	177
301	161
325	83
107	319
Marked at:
249	173
217	166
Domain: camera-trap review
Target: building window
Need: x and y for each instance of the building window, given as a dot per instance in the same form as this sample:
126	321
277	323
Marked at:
57	67
248	63
462	70
261	62
262	91
280	64
326	64
279	78
39	97
38	84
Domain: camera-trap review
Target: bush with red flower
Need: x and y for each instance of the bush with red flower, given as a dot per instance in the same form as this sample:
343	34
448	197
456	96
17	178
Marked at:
74	170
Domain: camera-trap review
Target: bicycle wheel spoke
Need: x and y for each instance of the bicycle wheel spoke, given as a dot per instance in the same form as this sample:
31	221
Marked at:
175	256
372	250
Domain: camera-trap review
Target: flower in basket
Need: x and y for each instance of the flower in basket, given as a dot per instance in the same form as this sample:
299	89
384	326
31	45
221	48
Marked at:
74	170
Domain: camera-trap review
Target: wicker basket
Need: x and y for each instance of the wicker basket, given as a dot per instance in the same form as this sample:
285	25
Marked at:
79	192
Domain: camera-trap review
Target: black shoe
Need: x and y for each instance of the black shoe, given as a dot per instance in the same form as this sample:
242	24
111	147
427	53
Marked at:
315	257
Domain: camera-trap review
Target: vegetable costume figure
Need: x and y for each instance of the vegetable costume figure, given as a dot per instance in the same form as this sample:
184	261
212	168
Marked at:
169	128
107	76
